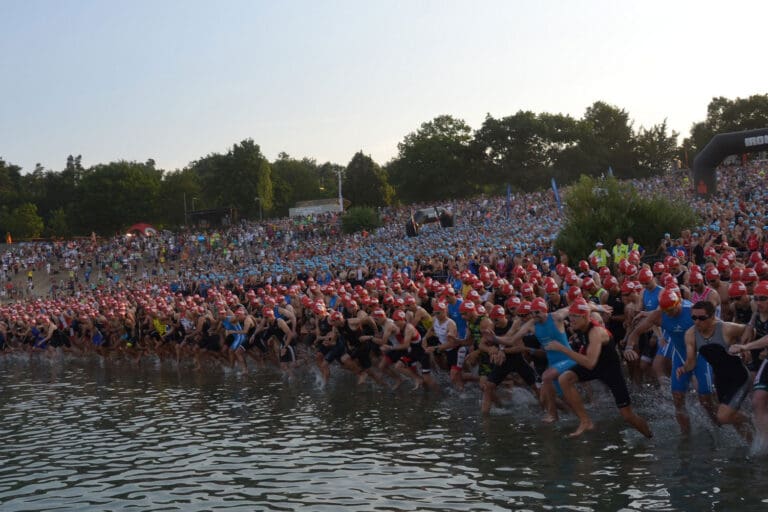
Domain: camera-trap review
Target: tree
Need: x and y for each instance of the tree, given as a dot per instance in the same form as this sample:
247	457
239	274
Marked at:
58	225
237	179
526	149
605	209
359	218
10	184
292	181
116	195
365	183
180	192
725	115
23	222
607	137
654	149
435	162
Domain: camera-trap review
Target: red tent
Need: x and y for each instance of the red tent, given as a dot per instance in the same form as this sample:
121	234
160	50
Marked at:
142	228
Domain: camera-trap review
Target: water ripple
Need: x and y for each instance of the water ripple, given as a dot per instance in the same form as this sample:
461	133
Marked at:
112	437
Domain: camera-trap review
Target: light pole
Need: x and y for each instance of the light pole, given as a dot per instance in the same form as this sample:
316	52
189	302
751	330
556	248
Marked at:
258	200
185	209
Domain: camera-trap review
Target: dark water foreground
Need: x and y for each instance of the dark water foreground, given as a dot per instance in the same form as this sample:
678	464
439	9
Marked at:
78	434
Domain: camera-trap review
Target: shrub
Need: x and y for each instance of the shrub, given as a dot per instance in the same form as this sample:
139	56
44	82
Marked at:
359	218
606	209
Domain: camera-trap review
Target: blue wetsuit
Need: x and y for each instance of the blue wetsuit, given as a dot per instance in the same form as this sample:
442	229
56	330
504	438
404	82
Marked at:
675	328
238	339
455	315
547	332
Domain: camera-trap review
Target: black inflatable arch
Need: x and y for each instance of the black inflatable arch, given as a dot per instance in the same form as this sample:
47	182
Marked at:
721	146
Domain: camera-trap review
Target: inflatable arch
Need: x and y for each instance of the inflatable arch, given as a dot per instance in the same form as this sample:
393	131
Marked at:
721	146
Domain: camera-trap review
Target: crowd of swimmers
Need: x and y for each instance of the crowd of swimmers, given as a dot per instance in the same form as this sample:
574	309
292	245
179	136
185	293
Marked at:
485	316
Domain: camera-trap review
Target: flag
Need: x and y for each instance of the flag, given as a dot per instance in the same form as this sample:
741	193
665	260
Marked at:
610	171
509	201
8	238
557	195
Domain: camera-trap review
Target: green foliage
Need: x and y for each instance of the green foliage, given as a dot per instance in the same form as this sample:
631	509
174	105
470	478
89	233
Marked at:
236	179
526	149
607	138
654	149
10	184
359	218
294	180
117	194
606	209
436	162
22	222
725	115
180	191
58	226
365	183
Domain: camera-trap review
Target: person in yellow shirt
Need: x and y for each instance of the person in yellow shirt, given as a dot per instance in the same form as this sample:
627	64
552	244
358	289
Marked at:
600	254
620	251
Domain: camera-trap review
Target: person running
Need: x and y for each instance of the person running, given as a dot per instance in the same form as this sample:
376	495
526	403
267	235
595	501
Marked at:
505	360
600	362
711	339
754	351
674	317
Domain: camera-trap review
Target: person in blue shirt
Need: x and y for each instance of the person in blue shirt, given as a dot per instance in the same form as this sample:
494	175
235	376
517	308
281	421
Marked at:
674	317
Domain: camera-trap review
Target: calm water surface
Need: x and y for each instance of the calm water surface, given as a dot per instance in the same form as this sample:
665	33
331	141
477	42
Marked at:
79	434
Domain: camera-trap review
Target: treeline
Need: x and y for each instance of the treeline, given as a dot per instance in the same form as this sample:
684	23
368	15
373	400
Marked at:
444	159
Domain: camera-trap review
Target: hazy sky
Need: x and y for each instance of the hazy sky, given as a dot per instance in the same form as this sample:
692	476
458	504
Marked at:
176	80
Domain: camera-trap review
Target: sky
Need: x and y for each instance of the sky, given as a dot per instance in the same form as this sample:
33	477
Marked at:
175	80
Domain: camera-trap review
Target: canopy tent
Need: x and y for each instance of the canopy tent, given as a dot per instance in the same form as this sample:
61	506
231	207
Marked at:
142	228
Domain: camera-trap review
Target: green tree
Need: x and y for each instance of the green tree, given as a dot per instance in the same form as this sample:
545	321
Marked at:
294	180
655	149
726	115
58	225
237	179
435	162
365	183
10	184
526	149
604	209
116	195
22	222
608	139
180	192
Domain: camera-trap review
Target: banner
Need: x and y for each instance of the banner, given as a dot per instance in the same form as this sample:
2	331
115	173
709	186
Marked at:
557	195
508	211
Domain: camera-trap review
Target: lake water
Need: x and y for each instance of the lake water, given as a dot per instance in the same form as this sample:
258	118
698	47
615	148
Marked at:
81	434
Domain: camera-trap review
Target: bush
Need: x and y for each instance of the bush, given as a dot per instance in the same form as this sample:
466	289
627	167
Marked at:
359	218
606	209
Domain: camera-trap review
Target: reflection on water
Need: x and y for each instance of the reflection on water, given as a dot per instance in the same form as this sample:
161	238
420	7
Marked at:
83	435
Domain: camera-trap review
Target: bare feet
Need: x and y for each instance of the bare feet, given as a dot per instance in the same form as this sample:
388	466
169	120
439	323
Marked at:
583	427
549	419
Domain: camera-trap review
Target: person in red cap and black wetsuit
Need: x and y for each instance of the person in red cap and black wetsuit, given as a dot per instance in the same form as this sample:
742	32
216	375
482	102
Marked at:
601	362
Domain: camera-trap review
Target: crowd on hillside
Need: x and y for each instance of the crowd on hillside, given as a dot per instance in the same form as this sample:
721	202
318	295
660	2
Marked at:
474	299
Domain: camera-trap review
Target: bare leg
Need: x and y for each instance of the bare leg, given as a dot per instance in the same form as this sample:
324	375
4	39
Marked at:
681	414
729	416
760	411
548	395
571	394
636	421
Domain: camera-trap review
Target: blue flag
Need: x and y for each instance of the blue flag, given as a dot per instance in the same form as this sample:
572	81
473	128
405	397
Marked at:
557	195
509	201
